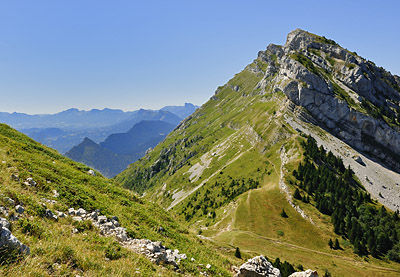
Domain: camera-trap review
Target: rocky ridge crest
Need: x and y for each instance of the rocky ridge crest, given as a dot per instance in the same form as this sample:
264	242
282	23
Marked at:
349	96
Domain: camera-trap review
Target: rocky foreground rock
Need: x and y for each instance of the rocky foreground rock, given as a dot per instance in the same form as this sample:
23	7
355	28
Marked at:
257	267
8	241
153	250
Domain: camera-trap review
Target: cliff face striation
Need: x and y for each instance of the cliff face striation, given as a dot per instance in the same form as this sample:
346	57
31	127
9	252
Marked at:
345	94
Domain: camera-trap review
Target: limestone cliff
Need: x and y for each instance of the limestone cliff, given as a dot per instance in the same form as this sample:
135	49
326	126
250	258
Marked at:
345	94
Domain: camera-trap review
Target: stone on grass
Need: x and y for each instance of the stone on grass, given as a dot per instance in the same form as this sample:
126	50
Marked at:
49	214
19	209
258	266
4	223
9	242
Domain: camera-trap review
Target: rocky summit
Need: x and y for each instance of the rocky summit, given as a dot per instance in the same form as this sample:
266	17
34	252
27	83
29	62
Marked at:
351	97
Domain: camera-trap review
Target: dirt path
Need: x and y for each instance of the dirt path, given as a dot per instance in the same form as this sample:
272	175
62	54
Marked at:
182	196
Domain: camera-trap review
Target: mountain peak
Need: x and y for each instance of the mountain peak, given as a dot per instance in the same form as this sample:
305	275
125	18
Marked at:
87	141
301	39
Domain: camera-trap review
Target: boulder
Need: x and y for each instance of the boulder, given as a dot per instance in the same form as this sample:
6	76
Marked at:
71	211
80	212
121	234
9	242
77	218
4	211
49	214
91	172
19	209
258	266
61	214
101	219
4	223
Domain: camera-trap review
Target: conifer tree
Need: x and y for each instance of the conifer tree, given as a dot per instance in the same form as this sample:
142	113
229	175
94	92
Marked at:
330	243
237	253
336	245
297	194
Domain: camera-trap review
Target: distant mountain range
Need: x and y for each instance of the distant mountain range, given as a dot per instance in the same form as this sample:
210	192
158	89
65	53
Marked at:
64	130
119	150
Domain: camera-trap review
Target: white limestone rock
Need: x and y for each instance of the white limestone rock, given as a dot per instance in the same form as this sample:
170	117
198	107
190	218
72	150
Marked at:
10	242
19	209
258	266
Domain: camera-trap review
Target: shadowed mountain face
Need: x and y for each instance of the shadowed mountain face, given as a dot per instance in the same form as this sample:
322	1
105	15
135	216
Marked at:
139	134
99	158
119	150
242	170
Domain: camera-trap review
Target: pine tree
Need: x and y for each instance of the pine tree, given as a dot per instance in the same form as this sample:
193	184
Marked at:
330	243
297	194
336	245
237	253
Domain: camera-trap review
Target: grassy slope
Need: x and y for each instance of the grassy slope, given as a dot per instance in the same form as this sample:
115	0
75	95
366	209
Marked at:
84	253
252	220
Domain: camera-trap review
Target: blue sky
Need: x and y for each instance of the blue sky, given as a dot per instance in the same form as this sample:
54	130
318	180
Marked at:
86	54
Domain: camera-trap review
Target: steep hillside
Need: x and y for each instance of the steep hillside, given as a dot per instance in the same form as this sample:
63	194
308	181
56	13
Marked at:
39	188
227	170
119	150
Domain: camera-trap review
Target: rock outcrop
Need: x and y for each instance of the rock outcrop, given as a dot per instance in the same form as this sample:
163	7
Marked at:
153	250
9	241
258	266
347	95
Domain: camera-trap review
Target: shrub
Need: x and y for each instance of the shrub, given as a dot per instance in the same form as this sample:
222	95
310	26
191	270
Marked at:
113	251
32	228
84	225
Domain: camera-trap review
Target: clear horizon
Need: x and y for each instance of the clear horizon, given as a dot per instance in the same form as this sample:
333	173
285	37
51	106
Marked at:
101	109
129	55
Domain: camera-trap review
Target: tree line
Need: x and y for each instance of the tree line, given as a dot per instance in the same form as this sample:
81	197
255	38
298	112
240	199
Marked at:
336	192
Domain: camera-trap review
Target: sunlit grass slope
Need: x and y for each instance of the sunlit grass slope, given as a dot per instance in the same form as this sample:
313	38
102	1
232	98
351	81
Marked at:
55	250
